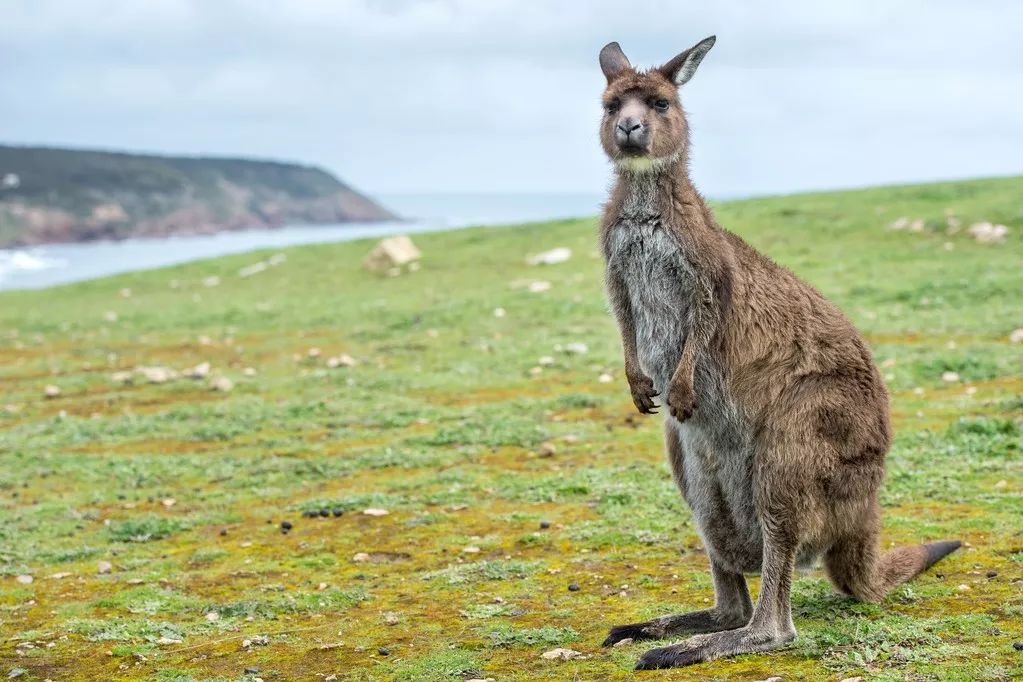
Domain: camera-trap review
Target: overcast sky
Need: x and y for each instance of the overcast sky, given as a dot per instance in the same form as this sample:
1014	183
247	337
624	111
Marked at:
503	95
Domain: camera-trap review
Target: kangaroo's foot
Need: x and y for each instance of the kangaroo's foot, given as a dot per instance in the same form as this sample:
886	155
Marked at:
709	620
745	640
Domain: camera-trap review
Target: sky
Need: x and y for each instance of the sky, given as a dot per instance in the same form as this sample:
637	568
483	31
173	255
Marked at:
399	96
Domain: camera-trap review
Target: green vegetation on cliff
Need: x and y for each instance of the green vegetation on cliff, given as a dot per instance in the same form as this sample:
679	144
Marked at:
54	195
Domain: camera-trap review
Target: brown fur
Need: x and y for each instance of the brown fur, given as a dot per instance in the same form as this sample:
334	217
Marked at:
793	368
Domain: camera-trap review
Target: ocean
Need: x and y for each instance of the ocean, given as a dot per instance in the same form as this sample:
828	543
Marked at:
43	266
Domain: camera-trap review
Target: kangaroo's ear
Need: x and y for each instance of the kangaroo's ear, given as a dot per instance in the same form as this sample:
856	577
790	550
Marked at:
613	61
680	69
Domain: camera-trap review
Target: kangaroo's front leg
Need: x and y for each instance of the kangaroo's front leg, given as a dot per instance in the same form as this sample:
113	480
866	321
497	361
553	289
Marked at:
770	627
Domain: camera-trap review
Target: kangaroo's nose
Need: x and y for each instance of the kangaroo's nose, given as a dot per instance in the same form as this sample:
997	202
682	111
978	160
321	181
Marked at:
629	125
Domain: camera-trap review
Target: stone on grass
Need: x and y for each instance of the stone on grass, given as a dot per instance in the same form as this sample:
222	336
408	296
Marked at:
988	233
375	512
552	257
1016	336
121	377
24	579
390	253
561	654
61	575
200	371
51	391
104	567
576	348
622	642
471	549
499	312
212	616
605	378
539	286
360	557
343	360
222	384
156	374
545	361
950	377
548	449
168	640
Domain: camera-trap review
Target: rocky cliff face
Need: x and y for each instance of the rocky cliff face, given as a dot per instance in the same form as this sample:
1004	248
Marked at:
59	195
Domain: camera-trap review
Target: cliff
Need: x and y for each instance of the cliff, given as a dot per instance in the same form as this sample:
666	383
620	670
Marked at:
61	195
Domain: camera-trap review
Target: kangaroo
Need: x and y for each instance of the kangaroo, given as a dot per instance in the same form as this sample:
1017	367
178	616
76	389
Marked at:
777	425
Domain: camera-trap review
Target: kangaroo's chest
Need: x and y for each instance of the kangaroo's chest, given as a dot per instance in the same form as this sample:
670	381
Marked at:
660	282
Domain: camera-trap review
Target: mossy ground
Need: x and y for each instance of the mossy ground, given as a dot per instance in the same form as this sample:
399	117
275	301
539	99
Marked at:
442	424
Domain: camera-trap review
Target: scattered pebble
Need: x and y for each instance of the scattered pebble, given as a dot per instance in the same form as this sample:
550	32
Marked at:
168	640
51	391
222	384
552	257
324	513
950	377
249	372
104	567
561	654
539	286
499	312
337	511
169	502
200	371
1016	336
850	679
24	579
211	281
251	670
622	642
547	449
992	574
963	588
60	576
988	233
212	616
286	526
545	524
471	549
375	512
360	557
577	348
545	361
605	378
573	587
384	651
1018	646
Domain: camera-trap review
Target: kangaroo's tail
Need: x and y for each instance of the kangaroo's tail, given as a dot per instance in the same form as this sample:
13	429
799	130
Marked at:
856	567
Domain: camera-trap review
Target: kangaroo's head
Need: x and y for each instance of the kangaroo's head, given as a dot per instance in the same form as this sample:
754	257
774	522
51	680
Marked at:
644	126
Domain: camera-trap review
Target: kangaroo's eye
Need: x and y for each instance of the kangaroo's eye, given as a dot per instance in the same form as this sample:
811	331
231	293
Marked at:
661	105
612	106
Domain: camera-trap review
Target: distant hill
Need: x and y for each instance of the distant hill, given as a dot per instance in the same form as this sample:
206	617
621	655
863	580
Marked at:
63	195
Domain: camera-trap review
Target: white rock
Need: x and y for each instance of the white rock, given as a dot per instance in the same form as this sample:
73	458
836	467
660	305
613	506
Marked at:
104	567
200	371
561	654
392	252
222	384
853	679
1016	336
950	377
576	348
552	257
622	642
121	377
168	640
254	269
212	616
24	579
51	391
169	502
499	312
211	281
249	372
605	378
314	352
375	512
157	375
360	557
539	286
471	549
988	233
110	316
545	361
60	576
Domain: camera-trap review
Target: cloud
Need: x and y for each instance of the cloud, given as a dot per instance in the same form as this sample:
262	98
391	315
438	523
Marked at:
502	96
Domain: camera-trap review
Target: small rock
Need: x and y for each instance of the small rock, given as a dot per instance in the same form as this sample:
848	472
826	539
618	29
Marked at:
222	384
211	281
1016	336
471	549
24	579
249	372
850	679
622	642
51	391
313	352
15	673
988	233
545	524
576	348
169	502
963	588
121	377
360	557
375	512
545	361
499	312
212	616
60	576
561	654
950	377
337	511
104	567
157	375
391	253
252	670
992	574
324	513
390	619
552	257
384	651
200	371
1018	646
573	587
286	525
605	378
547	449
539	286
168	640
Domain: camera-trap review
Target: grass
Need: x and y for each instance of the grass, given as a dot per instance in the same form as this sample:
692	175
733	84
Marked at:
446	425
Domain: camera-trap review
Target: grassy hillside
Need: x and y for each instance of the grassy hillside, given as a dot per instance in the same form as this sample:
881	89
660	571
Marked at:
148	514
59	195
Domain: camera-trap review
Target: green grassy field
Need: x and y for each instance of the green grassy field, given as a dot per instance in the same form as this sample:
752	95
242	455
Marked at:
148	514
